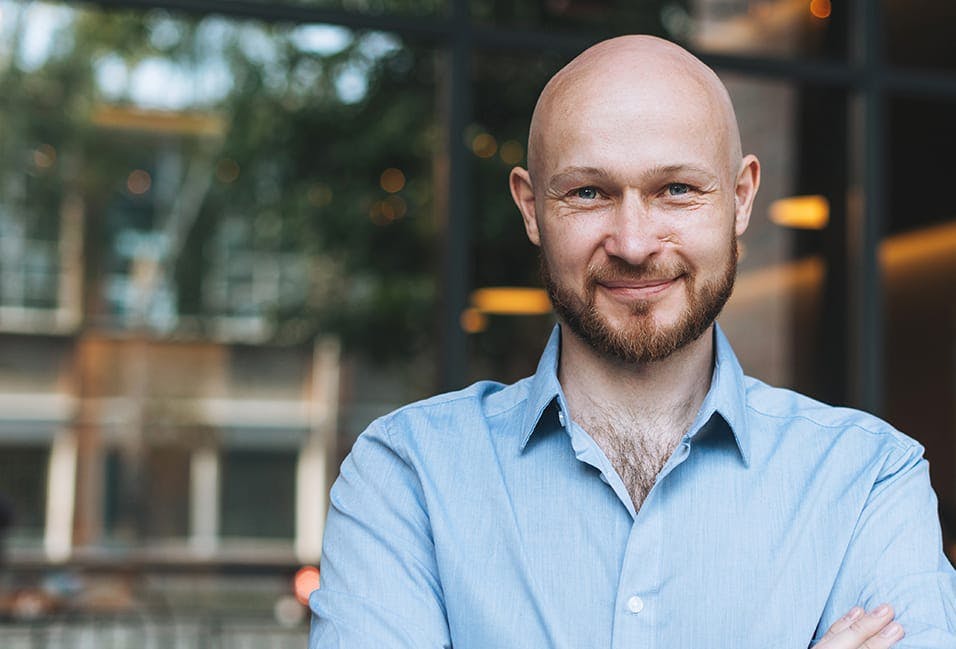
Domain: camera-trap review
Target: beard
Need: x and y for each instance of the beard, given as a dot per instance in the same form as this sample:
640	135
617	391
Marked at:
641	339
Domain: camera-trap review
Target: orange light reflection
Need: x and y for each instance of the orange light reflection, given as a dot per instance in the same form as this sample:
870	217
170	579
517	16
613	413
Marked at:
820	8
305	582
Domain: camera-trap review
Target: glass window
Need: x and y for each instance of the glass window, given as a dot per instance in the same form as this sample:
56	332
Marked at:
786	313
920	33
766	28
258	493
168	492
200	184
918	260
146	494
228	175
572	16
23	487
377	7
504	345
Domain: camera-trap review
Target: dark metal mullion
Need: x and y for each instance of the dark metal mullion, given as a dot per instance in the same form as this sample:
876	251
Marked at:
868	319
456	270
823	73
936	85
424	27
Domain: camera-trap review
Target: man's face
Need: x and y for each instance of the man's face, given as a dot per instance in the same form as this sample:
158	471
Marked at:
634	204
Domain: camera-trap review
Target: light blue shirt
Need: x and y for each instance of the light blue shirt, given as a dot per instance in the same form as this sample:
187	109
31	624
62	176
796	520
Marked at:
486	519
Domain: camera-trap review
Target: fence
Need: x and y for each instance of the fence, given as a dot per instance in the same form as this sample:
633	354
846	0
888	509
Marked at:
151	632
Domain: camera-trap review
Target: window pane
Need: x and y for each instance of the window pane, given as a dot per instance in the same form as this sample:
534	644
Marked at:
920	33
504	346
376	7
918	260
785	317
235	222
168	492
258	494
23	486
226	175
773	28
146	496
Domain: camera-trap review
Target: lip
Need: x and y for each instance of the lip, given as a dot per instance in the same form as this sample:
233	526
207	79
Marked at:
638	290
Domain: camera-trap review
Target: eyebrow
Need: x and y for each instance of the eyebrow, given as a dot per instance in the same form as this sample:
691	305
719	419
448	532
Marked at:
572	174
666	170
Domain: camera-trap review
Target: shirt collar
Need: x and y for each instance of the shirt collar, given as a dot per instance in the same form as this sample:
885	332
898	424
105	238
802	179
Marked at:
727	396
545	388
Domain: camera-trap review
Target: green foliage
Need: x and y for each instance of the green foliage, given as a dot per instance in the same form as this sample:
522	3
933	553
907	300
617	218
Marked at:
307	158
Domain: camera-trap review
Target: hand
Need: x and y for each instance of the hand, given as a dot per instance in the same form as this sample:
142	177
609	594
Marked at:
856	630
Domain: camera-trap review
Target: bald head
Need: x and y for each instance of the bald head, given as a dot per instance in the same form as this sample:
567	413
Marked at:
643	72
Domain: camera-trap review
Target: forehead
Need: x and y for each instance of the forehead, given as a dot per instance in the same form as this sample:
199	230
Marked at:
632	123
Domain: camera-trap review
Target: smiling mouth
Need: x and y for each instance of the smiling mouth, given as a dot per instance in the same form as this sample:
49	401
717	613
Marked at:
629	289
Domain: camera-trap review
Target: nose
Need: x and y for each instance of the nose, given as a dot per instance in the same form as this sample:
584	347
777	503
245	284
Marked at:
634	235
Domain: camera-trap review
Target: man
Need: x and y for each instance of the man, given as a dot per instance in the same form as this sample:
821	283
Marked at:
638	490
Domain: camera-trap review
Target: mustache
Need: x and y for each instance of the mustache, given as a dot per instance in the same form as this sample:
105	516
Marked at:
619	270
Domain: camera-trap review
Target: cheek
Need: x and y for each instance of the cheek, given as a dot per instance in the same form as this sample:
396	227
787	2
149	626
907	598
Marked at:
571	249
713	258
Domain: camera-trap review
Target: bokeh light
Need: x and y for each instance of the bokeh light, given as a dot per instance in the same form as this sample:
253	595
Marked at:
392	180
227	171
484	145
305	582
138	182
512	152
801	212
473	321
386	211
319	195
820	8
44	156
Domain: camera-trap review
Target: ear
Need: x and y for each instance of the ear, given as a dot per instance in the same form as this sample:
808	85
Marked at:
523	194
748	181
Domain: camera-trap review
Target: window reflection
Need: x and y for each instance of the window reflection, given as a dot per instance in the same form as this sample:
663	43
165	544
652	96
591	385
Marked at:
918	260
780	317
768	28
919	33
765	28
504	346
229	226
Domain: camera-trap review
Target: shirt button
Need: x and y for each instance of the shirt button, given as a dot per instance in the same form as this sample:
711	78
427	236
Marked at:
635	604
561	419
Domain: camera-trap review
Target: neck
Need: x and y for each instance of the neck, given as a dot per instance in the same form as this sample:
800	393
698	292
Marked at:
673	388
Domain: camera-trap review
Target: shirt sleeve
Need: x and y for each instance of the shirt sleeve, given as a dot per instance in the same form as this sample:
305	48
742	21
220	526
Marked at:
895	555
380	585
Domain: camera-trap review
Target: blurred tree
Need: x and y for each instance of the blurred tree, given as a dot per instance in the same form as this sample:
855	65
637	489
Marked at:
311	120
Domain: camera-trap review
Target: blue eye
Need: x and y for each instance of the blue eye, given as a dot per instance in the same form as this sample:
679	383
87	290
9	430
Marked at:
677	189
587	193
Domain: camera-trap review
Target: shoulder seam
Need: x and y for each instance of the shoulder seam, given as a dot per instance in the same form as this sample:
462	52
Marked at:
884	433
466	394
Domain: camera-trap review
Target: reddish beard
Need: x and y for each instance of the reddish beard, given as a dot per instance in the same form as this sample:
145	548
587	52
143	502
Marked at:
641	339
